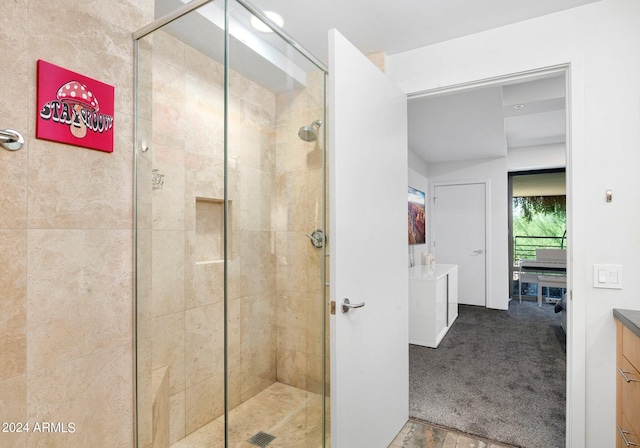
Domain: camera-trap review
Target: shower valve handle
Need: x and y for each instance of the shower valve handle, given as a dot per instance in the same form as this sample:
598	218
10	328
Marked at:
317	238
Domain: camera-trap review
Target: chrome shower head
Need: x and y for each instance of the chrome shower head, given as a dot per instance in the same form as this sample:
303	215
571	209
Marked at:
309	133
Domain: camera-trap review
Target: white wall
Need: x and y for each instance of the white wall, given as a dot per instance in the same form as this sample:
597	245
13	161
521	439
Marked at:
601	44
494	172
536	157
417	165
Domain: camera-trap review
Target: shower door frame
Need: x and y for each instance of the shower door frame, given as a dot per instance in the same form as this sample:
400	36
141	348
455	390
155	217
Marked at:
139	146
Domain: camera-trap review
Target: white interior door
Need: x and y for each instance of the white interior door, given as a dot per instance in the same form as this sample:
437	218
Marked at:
459	237
368	239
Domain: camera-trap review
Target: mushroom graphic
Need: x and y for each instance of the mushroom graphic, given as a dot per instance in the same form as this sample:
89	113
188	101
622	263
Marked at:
77	96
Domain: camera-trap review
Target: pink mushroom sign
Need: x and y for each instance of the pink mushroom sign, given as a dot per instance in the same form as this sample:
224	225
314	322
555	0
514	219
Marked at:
74	109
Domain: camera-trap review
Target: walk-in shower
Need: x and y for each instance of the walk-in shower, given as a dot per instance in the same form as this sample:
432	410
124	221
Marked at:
230	296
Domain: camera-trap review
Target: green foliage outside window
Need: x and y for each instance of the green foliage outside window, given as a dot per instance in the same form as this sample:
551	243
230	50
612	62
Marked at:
538	216
536	206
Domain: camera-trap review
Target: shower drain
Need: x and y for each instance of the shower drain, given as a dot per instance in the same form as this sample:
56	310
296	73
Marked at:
262	439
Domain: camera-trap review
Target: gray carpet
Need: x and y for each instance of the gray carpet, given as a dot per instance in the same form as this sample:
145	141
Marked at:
497	374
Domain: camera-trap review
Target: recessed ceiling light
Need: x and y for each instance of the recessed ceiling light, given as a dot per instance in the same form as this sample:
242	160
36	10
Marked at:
259	25
518	106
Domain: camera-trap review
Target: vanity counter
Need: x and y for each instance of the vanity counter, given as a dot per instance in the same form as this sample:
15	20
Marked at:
629	318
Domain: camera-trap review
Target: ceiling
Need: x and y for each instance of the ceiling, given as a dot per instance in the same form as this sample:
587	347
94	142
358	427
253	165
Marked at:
401	25
473	124
487	122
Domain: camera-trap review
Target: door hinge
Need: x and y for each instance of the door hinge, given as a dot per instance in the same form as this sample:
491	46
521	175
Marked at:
333	307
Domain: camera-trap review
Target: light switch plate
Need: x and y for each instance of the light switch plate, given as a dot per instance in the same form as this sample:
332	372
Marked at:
607	276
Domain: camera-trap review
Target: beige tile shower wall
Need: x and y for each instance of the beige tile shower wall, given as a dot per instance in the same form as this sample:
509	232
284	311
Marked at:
66	233
252	283
183	300
300	307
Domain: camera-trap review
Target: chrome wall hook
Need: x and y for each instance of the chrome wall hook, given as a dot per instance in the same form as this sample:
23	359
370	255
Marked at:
11	140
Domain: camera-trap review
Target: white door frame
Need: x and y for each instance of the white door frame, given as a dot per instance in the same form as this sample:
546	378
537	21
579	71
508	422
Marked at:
487	227
573	68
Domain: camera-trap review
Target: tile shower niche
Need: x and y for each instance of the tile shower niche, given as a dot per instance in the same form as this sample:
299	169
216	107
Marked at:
209	243
208	252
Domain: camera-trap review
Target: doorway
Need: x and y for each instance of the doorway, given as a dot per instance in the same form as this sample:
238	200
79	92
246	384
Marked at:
537	226
461	166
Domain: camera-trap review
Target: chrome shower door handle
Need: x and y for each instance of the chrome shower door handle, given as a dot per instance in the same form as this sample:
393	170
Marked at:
11	140
347	305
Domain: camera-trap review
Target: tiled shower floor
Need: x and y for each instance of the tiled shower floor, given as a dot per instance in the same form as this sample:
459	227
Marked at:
292	415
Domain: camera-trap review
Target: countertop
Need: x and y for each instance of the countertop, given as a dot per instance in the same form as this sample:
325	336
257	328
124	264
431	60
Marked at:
629	318
421	272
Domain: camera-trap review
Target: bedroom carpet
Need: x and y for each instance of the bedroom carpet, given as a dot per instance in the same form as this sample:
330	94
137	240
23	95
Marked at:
499	375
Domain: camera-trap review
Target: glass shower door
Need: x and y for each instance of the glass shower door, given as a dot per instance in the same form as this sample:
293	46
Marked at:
230	196
275	288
